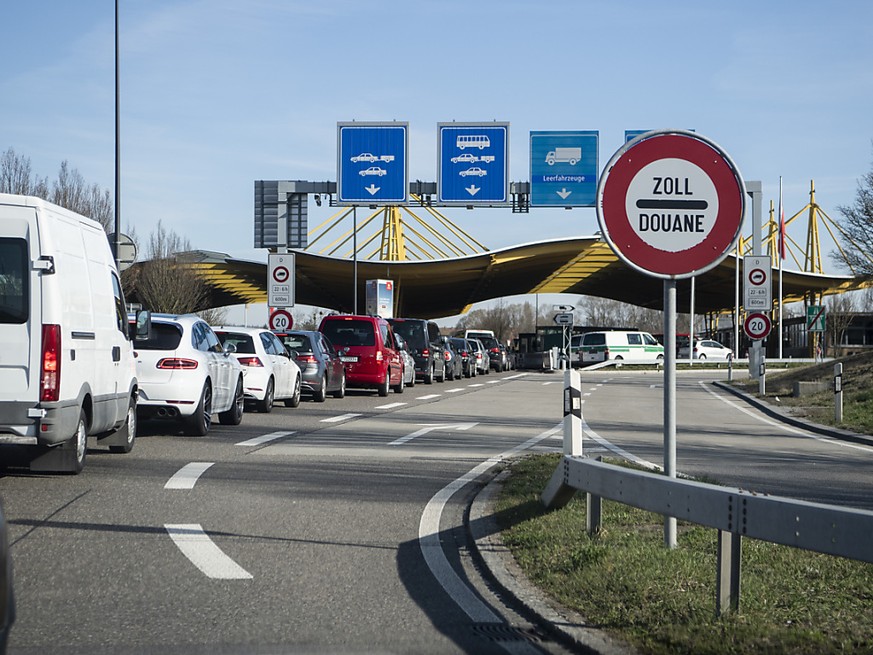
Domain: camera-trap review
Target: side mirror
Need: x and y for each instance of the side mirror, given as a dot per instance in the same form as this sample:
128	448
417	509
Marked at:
143	325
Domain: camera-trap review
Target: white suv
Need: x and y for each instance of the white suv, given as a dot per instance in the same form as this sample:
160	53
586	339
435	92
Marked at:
185	374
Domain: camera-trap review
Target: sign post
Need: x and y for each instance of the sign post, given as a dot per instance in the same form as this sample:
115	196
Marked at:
670	204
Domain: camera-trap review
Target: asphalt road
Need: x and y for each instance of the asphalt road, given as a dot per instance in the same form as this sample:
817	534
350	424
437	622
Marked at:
338	527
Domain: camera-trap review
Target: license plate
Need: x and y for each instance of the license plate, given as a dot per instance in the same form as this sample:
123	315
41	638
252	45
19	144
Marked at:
348	358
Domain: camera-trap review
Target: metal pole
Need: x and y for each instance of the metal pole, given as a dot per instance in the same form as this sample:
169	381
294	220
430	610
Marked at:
117	240
355	258
670	399
838	392
691	328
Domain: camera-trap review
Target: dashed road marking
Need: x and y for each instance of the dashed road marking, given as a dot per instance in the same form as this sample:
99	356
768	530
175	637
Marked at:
389	406
428	396
196	545
187	476
337	419
264	438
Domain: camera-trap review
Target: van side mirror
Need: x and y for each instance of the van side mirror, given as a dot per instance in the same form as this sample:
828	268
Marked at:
143	325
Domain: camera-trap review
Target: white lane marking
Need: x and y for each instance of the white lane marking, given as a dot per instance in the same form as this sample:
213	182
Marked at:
428	396
787	428
478	384
545	384
430	427
494	381
453	390
389	406
337	419
187	476
264	438
429	535
194	543
517	375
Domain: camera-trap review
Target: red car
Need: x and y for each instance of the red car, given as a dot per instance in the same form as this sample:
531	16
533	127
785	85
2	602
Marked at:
367	346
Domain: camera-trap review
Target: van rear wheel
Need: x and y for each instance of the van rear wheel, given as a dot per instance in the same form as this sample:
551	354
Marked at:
79	444
128	430
386	385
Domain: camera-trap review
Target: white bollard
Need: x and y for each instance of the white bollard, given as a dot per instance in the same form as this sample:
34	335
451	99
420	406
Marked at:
572	413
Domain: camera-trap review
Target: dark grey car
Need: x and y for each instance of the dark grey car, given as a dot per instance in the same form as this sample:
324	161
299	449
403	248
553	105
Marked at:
321	369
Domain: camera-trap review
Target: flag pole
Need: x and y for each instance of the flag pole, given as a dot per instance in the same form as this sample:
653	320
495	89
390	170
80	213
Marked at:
781	257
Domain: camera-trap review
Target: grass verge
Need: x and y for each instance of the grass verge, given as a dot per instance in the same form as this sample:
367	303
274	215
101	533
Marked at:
662	601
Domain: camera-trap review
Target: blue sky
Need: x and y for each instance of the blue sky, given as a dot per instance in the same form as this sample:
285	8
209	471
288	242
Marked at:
218	94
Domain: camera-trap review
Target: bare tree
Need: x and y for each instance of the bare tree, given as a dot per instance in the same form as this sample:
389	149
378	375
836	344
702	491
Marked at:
840	311
162	283
858	224
69	189
17	177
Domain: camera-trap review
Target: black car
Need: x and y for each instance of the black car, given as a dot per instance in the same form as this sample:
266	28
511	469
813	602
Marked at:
423	339
468	356
495	353
321	369
454	363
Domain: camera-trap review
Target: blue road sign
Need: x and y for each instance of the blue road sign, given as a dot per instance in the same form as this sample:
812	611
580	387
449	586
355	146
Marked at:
473	163
630	135
563	168
372	163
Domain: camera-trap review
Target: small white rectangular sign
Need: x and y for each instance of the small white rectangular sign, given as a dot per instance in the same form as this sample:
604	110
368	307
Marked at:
757	283
280	279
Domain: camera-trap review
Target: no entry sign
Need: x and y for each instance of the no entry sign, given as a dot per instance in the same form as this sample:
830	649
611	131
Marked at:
670	203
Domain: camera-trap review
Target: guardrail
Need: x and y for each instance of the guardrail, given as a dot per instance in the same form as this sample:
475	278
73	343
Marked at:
734	512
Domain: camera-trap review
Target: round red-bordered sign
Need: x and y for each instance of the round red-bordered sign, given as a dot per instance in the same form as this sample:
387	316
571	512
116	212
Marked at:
281	320
281	274
670	203
757	277
757	326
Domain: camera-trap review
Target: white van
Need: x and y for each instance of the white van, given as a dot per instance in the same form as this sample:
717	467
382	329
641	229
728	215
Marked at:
67	369
620	345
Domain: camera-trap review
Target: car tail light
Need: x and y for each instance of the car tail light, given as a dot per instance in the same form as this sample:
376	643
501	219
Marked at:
378	355
306	359
447	355
177	364
254	362
464	353
495	350
50	384
425	352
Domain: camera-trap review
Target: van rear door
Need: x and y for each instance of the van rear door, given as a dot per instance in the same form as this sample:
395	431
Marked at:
20	315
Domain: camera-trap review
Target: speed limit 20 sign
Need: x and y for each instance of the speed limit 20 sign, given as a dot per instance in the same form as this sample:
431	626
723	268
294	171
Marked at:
757	326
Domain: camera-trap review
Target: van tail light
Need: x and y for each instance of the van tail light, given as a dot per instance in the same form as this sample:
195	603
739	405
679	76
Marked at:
379	356
495	350
447	355
177	364
254	362
425	352
50	382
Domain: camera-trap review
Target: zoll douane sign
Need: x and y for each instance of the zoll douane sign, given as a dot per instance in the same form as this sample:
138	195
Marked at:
670	203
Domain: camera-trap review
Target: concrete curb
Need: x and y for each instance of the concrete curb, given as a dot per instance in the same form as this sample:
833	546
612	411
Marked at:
563	624
803	424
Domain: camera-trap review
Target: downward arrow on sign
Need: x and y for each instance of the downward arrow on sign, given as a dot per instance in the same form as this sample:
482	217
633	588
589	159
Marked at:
372	189
472	189
564	193
431	428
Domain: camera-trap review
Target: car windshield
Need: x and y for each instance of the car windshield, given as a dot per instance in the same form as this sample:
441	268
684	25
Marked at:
244	343
297	342
349	332
412	331
164	336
